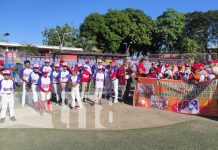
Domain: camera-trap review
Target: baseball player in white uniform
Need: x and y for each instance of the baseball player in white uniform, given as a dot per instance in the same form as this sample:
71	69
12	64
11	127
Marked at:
45	87
63	78
74	81
47	66
99	85
7	87
25	73
56	83
33	80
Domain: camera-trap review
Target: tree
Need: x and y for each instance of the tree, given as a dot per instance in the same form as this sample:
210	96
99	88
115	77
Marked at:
51	35
169	28
94	28
111	30
84	43
29	48
203	27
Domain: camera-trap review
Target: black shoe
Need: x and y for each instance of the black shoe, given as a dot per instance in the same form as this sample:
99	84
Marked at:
2	120
13	118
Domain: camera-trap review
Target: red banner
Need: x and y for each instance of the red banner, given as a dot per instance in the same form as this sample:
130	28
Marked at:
178	96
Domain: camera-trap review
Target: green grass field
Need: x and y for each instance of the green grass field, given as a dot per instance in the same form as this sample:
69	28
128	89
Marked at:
198	134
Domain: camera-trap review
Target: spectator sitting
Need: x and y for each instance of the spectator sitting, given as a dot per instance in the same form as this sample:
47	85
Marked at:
168	74
194	77
152	73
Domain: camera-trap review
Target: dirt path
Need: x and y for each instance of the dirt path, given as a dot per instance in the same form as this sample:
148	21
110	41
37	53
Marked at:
108	117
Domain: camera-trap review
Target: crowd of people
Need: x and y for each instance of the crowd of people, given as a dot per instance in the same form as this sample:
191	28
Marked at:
195	73
60	78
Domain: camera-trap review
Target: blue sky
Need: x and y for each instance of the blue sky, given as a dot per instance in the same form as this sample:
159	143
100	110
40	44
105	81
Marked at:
26	19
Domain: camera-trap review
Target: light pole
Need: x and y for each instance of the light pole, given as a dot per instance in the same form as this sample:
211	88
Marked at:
127	47
61	40
6	51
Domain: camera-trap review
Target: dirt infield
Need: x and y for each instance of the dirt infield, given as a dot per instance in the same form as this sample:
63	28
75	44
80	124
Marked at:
106	117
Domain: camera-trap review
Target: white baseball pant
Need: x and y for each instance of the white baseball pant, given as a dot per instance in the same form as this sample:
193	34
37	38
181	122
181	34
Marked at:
7	102
115	88
76	95
63	93
45	96
35	91
57	91
98	94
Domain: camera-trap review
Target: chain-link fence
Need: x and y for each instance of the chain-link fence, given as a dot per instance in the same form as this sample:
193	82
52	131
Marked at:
182	58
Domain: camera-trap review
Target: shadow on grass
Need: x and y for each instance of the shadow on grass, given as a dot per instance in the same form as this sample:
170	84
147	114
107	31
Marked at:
214	118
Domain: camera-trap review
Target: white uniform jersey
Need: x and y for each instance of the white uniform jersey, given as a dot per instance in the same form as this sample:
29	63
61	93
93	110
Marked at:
33	78
100	77
7	86
75	79
203	76
44	82
55	76
1	77
25	73
64	75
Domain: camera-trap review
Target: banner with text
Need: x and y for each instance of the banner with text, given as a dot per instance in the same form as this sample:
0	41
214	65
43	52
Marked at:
178	96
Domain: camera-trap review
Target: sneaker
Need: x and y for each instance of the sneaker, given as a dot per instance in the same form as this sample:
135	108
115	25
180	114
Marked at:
115	101
2	120
13	118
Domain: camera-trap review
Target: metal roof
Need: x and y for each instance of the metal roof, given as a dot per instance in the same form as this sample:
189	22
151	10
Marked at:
89	54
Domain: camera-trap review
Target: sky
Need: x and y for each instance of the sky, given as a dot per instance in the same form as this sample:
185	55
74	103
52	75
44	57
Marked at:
26	19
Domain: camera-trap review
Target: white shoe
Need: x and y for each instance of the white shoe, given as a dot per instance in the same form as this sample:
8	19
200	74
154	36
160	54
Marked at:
115	101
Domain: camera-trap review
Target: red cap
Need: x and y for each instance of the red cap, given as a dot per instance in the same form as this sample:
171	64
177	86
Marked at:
179	66
195	67
187	65
113	61
64	64
167	65
36	66
6	72
201	65
213	61
2	68
61	60
45	71
75	69
87	61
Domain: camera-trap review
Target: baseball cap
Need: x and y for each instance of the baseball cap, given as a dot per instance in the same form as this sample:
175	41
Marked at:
64	64
6	72
47	60
45	71
36	66
57	66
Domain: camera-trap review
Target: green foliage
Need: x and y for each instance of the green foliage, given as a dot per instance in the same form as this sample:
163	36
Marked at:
169	27
29	48
115	27
172	31
51	35
203	27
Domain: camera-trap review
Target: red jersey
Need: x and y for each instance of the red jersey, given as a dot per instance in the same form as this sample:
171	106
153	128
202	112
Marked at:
142	67
85	76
